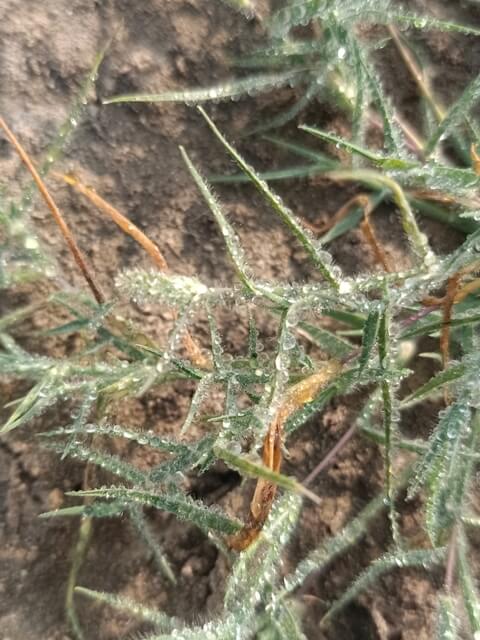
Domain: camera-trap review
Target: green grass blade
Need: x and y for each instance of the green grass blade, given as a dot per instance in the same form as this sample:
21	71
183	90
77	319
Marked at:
140	523
417	239
352	219
351	147
334	546
447	216
41	396
451	425
447	620
456	113
74	117
332	344
174	290
302	151
254	470
111	463
289	114
158	619
420	22
179	504
421	558
370	333
392	134
234	247
320	258
224	91
94	510
435	384
145	438
469	591
288	173
432	326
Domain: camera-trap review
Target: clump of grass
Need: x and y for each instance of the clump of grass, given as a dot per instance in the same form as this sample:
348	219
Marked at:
385	310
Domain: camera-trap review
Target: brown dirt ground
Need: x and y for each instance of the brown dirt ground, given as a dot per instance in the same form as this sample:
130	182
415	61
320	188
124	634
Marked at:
130	155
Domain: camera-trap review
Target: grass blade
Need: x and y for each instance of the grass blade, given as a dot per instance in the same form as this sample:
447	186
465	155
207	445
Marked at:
456	113
227	90
179	504
321	259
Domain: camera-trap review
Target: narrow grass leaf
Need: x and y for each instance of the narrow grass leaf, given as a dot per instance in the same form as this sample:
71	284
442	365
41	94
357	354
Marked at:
321	259
432	326
449	484
286	624
419	558
393	136
456	113
435	384
174	290
198	455
328	341
370	333
257	568
450	426
447	621
158	619
234	247
179	504
374	157
94	510
201	392
419	22
146	438
254	470
469	591
227	90
334	546
140	523
302	151
111	463
417	238
39	398
288	173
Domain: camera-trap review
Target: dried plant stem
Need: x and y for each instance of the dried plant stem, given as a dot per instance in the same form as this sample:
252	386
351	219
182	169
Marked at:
416	73
475	158
417	239
265	491
331	455
454	294
124	223
193	350
467	289
363	201
447	307
63	226
429	307
323	227
412	139
371	237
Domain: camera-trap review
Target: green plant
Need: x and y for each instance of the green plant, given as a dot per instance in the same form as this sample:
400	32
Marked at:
269	394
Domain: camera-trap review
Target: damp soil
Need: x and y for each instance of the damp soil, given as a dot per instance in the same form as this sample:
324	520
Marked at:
129	154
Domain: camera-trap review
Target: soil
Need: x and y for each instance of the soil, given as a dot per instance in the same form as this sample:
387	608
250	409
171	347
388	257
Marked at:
129	154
